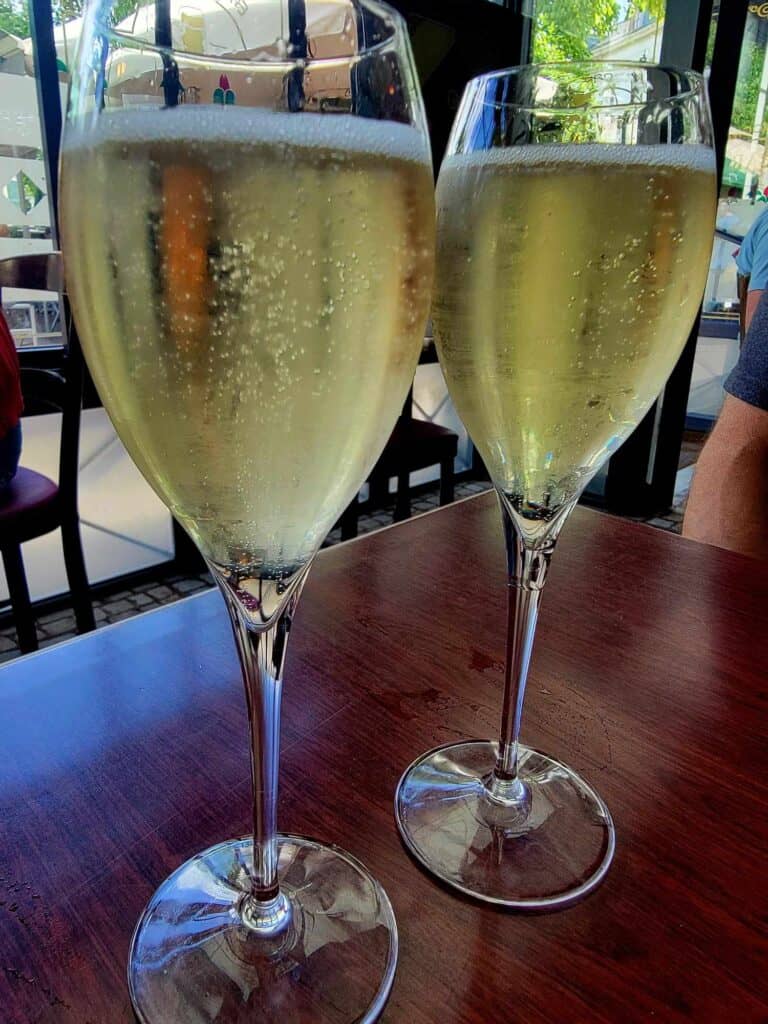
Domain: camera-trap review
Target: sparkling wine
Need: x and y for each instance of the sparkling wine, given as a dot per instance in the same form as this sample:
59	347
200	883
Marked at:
250	289
568	278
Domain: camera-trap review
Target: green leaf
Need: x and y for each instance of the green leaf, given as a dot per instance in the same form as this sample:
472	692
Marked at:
14	18
564	28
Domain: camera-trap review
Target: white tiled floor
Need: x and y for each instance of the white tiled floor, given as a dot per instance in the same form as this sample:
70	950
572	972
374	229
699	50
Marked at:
125	527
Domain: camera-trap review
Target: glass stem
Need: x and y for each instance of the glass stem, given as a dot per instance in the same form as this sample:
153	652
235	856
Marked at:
530	544
523	598
261	612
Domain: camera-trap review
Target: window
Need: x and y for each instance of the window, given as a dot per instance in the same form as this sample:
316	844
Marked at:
25	210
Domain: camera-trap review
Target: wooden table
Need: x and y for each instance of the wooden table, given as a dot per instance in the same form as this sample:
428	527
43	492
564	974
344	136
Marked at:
124	752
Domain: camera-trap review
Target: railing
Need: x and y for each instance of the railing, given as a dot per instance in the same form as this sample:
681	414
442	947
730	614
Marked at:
34	324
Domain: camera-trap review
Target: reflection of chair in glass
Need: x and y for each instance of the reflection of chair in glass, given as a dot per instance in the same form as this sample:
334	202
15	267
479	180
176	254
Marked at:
33	504
413	445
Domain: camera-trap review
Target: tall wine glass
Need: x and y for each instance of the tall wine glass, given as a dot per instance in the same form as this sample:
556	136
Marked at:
575	214
248	222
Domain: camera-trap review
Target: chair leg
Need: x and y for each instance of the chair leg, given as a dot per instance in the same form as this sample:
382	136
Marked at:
23	618
403	499
77	576
446	481
378	490
349	520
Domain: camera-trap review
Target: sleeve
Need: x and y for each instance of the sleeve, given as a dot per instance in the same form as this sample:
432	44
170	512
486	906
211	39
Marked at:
758	272
748	380
743	255
741	258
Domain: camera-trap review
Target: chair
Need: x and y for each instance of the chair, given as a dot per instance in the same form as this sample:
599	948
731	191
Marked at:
413	445
33	505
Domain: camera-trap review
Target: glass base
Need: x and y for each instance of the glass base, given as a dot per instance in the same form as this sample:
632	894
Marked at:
538	847
327	954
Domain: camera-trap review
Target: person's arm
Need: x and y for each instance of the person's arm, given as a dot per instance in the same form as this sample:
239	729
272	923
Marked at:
758	271
753	301
728	503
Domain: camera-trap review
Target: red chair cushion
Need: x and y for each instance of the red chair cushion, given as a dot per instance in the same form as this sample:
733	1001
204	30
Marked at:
28	506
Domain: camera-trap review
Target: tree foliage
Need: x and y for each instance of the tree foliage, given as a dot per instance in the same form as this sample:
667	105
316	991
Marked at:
14	17
14	14
748	88
564	28
656	8
65	10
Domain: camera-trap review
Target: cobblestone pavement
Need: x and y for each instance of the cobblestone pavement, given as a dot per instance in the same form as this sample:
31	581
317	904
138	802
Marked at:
56	626
59	625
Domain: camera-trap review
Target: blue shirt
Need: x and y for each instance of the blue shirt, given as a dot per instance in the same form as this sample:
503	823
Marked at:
752	259
748	380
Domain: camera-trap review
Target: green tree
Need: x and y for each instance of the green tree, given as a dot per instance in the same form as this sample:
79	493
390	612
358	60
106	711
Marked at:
65	10
14	14
748	87
656	8
565	27
14	17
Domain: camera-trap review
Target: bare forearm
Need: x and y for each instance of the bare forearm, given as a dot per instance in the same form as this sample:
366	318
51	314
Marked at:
728	503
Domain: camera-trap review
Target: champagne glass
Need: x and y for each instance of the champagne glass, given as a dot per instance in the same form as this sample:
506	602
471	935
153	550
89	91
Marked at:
248	220
576	206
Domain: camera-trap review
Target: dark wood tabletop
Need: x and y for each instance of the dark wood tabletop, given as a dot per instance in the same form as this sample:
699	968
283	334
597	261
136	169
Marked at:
124	752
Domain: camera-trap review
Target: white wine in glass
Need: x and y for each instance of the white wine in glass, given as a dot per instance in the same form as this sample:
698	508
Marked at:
249	242
575	215
563	297
249	307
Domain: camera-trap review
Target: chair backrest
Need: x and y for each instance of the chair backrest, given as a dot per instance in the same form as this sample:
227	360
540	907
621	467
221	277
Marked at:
39	271
44	391
52	390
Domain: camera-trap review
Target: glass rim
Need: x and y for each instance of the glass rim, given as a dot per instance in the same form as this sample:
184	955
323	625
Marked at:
592	67
285	60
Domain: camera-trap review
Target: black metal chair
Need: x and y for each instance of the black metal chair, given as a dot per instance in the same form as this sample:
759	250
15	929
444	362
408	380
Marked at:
413	445
33	504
